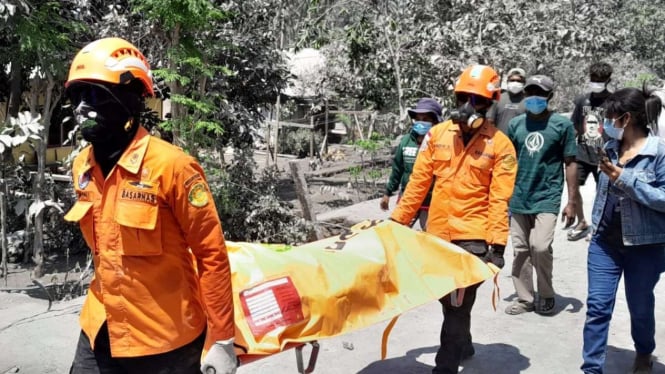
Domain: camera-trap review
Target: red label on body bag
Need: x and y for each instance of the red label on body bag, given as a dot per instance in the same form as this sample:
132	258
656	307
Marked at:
270	305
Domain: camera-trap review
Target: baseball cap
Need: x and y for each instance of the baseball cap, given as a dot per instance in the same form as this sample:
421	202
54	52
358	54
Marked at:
517	71
427	105
542	81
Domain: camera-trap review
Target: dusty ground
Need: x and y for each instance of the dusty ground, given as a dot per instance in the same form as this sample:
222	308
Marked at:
34	341
342	182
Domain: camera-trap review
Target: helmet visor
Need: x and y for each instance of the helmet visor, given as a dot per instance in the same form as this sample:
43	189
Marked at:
92	93
475	100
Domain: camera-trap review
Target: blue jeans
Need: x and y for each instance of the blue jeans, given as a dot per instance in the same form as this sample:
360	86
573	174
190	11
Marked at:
641	267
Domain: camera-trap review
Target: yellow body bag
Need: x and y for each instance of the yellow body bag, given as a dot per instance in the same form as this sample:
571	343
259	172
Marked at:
286	295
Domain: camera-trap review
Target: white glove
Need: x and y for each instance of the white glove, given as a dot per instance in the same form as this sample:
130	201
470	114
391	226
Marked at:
220	359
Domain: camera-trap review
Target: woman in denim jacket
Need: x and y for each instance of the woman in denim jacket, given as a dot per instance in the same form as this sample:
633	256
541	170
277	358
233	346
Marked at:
628	227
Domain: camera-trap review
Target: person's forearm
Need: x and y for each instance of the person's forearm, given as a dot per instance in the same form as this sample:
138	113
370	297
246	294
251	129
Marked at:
571	182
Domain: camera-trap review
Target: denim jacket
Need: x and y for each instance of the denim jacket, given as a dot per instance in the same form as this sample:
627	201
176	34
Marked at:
642	193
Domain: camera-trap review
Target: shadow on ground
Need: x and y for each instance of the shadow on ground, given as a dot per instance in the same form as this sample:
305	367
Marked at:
620	361
496	358
562	304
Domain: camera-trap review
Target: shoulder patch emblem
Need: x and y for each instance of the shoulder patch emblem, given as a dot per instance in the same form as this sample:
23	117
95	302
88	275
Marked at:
509	162
198	195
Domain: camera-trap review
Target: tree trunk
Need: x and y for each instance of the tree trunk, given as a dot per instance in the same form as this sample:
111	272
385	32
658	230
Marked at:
395	54
3	226
278	103
27	238
177	111
15	90
297	173
326	128
38	192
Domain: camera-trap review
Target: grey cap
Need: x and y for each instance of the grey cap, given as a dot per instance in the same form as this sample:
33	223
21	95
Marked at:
517	71
542	81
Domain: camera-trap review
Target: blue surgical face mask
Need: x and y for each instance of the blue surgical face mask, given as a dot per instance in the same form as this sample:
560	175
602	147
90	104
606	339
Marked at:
611	131
535	104
421	127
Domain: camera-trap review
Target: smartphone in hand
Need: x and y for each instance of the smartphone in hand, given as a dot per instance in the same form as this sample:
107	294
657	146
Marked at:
603	155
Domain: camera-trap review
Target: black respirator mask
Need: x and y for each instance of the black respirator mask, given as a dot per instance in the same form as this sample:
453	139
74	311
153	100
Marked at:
105	114
468	115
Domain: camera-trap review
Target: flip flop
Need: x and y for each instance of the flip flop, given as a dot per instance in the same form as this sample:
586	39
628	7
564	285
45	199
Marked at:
577	234
519	307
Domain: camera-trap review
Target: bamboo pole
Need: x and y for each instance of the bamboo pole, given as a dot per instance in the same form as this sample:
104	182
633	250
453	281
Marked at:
311	138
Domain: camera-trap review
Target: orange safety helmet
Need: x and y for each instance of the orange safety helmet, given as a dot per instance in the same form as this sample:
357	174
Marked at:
479	80
111	60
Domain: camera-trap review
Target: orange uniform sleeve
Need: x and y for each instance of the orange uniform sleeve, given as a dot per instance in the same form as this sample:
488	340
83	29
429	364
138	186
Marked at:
419	184
501	189
194	208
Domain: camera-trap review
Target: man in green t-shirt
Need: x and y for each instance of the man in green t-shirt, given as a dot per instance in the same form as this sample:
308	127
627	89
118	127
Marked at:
544	141
426	114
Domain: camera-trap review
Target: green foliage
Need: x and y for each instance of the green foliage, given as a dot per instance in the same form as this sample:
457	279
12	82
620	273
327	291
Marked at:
185	14
371	173
356	172
249	207
186	23
294	141
389	53
345	119
18	131
641	79
644	22
18	176
168	75
223	62
41	36
370	145
375	174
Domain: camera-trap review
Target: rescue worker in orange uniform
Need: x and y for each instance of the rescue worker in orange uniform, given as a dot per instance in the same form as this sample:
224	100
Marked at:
162	279
473	167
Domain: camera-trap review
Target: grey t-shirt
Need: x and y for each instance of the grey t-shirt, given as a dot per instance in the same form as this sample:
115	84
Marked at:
508	107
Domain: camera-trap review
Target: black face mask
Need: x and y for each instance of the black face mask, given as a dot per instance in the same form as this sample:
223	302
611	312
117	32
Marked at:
107	118
102	124
101	113
466	114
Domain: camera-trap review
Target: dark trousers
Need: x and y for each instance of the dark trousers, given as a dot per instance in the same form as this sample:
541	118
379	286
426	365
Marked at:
456	328
185	360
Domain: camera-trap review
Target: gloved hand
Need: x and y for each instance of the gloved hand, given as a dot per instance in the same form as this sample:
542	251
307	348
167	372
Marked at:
495	255
384	202
220	359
